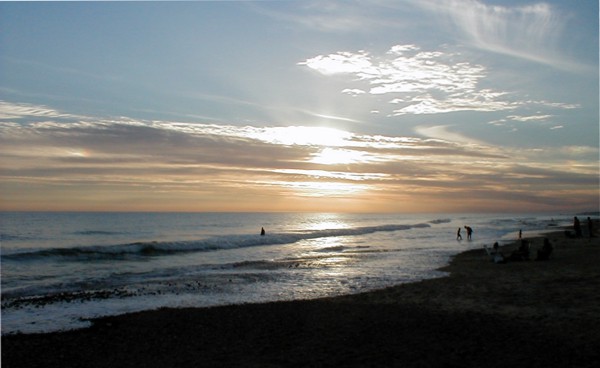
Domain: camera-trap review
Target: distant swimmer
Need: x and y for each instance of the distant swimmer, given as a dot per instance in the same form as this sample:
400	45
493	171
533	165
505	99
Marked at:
262	231
458	236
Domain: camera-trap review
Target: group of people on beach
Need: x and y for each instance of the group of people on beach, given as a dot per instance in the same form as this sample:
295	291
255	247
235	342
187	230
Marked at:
523	252
469	233
577	228
520	254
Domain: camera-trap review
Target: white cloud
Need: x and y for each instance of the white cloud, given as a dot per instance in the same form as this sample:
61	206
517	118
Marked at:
341	63
557	105
422	82
529	118
417	75
478	101
353	91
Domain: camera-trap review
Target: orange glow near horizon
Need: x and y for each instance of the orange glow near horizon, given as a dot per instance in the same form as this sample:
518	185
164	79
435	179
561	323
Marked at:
282	169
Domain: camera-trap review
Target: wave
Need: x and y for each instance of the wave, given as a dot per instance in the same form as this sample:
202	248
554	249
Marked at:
7	237
96	232
154	248
440	221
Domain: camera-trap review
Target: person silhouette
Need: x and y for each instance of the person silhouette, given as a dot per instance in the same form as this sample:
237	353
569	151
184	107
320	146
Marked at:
262	231
577	227
469	232
458	236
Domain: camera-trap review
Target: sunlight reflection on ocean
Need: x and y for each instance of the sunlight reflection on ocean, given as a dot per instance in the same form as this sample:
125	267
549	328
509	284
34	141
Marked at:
60	269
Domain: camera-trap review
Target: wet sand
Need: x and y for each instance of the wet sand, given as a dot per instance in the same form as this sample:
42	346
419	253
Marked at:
532	313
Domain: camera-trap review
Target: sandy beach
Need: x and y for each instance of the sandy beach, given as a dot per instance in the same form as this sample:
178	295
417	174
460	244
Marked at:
529	313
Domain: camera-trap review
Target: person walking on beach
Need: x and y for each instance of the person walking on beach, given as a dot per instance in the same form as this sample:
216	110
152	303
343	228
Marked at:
469	232
590	227
520	234
458	236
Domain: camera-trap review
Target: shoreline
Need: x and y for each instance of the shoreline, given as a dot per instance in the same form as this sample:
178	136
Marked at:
481	314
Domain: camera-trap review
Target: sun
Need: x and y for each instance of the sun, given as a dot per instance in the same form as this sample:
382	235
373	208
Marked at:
336	156
305	136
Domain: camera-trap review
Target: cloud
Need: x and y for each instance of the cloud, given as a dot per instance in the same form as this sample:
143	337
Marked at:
423	82
529	32
403	69
12	111
538	119
485	100
353	91
529	118
111	158
442	132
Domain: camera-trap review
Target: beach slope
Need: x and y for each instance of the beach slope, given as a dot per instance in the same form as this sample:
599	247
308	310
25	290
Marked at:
531	313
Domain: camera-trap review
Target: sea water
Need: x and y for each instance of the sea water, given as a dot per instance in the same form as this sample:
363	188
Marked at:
59	270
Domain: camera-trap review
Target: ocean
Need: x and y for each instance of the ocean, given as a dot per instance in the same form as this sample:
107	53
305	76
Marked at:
59	270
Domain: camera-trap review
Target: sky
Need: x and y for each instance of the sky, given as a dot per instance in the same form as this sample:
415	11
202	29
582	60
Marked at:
336	106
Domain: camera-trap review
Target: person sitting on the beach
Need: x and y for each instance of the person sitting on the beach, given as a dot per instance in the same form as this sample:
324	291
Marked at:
495	255
521	254
544	253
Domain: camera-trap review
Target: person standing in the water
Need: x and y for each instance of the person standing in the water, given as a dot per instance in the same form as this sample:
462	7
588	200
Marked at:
262	231
469	232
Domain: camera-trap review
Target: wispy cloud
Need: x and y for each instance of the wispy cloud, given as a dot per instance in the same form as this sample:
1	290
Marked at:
443	132
11	111
337	17
529	32
514	122
529	118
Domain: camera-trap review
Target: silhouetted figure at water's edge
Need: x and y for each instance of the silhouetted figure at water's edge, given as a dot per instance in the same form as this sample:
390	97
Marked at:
469	232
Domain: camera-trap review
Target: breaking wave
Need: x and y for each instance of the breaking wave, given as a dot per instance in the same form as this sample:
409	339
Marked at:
155	248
